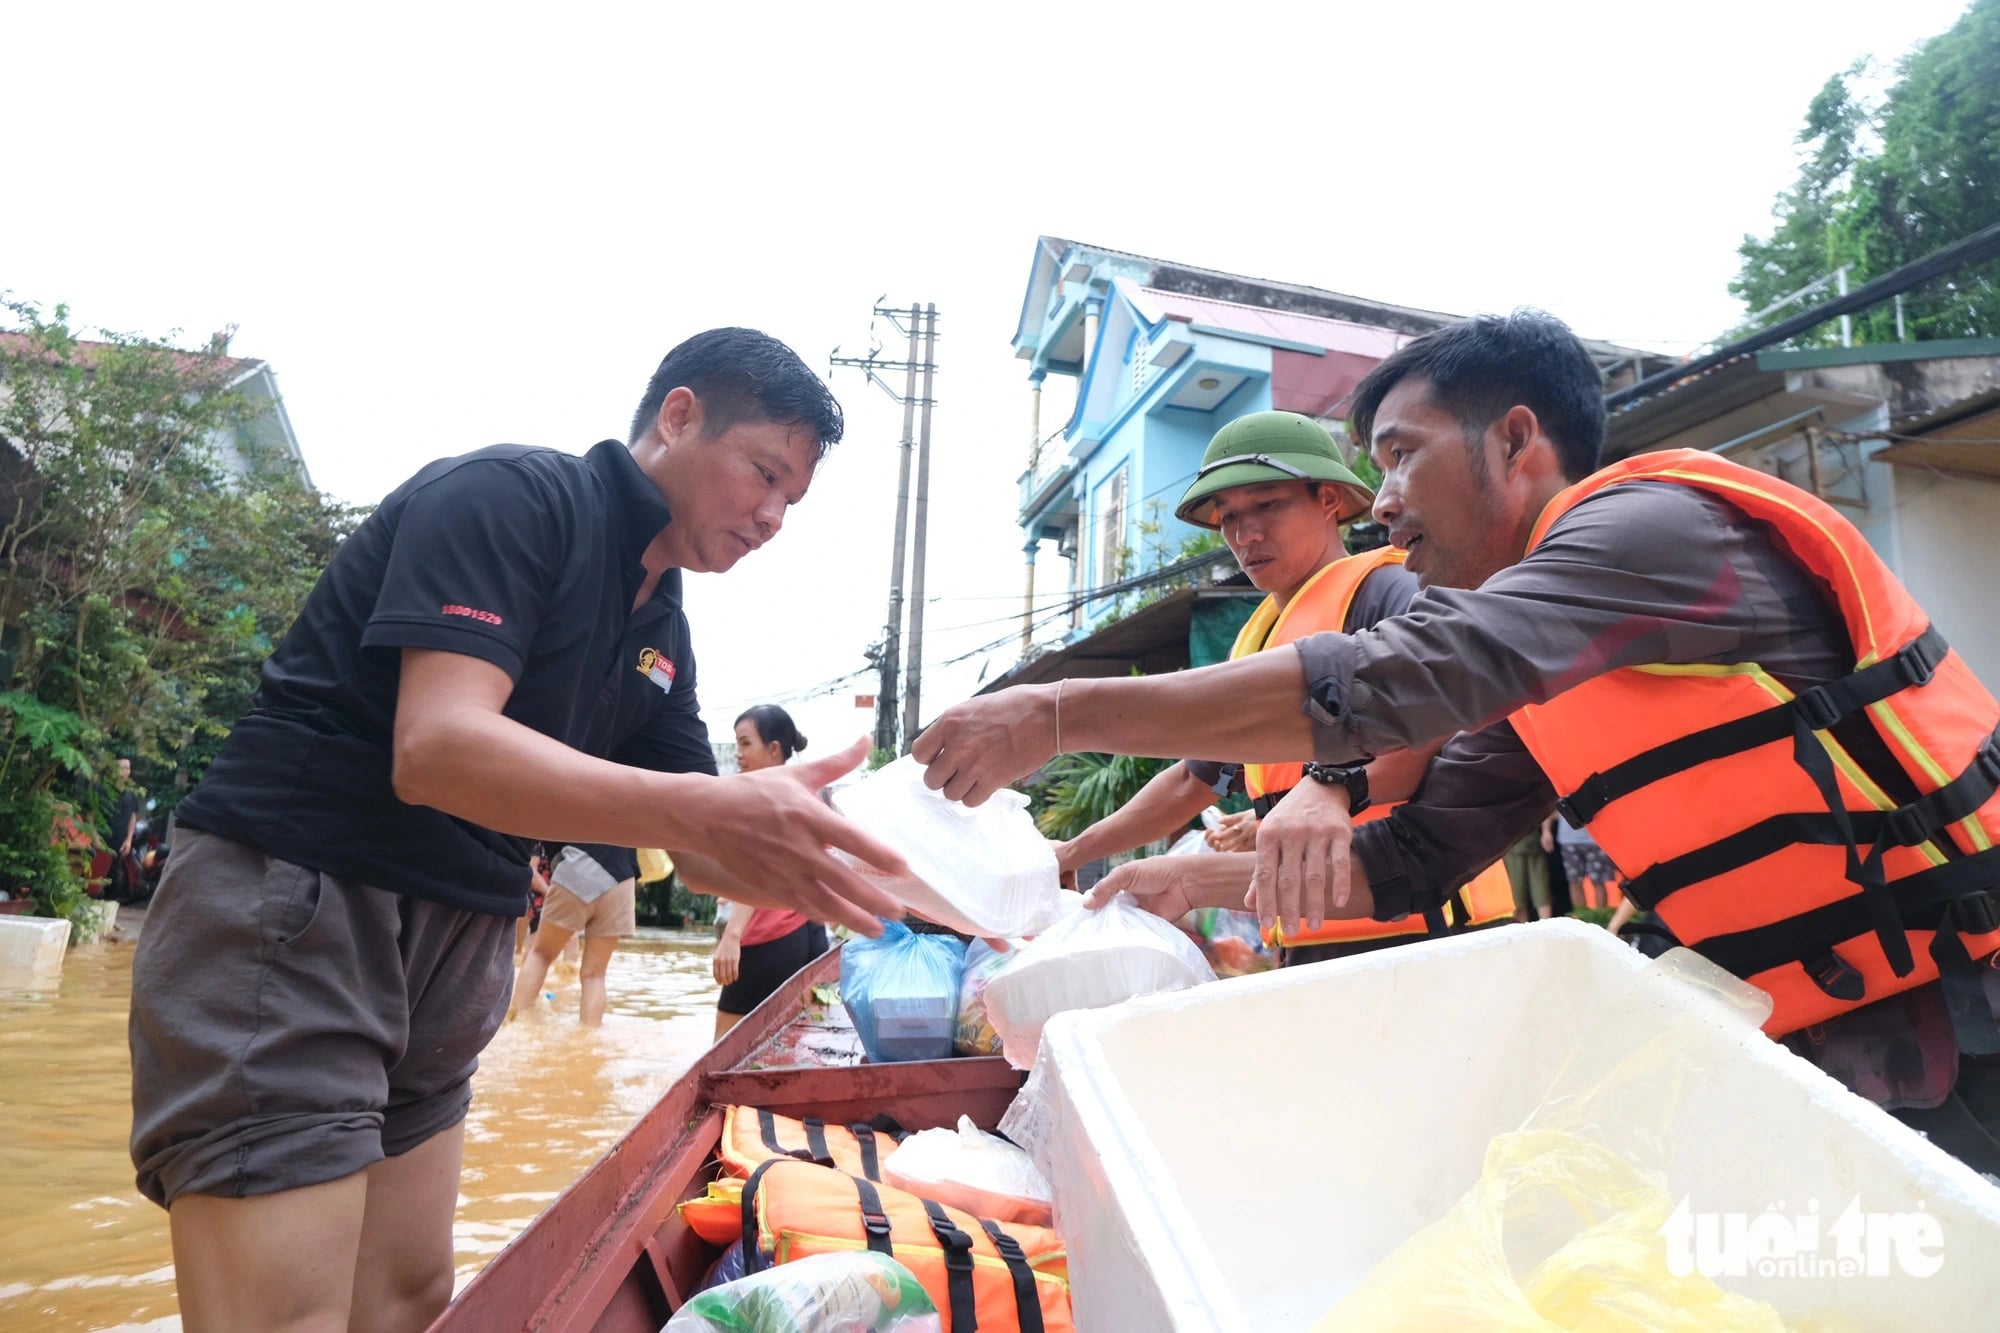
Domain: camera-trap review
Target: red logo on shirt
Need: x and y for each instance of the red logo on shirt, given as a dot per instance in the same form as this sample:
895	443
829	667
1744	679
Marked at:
471	612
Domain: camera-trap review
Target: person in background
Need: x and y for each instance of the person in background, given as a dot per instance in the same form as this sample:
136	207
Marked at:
761	949
593	893
1273	484
1527	863
127	878
1593	880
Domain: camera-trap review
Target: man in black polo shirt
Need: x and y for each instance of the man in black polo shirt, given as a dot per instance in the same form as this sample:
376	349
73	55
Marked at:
497	656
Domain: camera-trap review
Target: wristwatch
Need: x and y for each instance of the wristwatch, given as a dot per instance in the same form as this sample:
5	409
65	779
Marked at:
1354	777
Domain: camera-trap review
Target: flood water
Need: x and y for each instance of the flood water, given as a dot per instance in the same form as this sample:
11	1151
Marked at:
80	1249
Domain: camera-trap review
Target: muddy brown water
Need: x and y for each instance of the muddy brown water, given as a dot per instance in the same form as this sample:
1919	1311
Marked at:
81	1250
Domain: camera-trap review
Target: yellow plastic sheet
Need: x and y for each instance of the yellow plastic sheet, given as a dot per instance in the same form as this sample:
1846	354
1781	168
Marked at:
1562	1229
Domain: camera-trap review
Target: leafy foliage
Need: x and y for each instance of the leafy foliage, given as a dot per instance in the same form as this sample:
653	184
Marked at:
1886	181
1078	790
141	585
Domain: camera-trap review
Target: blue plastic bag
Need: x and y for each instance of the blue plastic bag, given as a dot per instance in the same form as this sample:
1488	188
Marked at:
729	1268
902	992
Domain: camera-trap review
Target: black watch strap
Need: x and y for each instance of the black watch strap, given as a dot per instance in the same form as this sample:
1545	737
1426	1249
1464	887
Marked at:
1354	777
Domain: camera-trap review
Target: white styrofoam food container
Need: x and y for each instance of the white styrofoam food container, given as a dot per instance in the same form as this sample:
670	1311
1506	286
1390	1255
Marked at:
1239	1156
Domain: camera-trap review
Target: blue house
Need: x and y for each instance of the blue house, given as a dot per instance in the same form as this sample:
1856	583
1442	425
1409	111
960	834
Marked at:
1162	356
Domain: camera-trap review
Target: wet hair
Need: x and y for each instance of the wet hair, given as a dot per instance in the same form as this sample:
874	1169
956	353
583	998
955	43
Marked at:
773	724
1480	368
741	374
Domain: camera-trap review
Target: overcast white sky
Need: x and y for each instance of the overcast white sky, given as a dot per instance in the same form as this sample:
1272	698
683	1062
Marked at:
450	226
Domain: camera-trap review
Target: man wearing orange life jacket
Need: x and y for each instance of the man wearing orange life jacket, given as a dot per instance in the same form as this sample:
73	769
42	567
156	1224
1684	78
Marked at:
1707	666
1273	484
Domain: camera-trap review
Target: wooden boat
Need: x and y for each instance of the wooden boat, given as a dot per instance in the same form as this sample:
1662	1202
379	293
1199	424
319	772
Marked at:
612	1254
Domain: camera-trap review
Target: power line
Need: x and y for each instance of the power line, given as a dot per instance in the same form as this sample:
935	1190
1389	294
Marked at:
1139	582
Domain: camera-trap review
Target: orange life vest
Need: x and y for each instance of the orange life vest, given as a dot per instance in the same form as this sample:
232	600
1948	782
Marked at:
980	1274
752	1136
1321	606
1752	831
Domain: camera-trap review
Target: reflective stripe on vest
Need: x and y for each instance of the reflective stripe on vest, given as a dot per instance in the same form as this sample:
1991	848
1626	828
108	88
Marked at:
1755	835
1321	606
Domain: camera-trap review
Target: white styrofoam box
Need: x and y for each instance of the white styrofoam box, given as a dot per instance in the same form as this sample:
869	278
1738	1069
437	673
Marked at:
1239	1156
31	949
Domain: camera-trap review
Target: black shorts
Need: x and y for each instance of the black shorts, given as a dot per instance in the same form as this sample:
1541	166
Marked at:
765	967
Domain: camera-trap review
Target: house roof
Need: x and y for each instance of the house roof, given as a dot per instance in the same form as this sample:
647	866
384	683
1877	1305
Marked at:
231	368
1218	286
1766	377
1151	640
1287	326
1961	437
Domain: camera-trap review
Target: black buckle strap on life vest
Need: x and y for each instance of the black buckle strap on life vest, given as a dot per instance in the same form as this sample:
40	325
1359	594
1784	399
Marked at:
1027	1300
1960	897
957	1267
1837	977
1906	826
1265	804
1821	707
1965	999
874	1222
753	1257
816	1141
767	1130
864	1138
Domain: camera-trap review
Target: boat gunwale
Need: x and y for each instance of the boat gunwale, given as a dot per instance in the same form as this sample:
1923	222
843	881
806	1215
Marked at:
621	1251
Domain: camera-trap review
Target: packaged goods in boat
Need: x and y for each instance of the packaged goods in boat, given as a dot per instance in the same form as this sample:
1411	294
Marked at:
975	1034
860	1292
902	993
1087	960
971	1169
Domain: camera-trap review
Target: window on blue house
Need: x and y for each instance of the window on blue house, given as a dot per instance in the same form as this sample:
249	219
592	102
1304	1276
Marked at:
1113	556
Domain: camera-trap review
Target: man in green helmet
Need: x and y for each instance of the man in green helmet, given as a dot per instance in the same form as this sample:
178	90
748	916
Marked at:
1273	484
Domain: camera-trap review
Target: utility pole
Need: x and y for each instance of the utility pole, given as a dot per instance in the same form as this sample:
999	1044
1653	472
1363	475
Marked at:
913	695
890	661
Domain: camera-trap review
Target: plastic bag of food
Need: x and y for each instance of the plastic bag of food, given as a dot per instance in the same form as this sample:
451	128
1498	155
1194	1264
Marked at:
1563	1228
971	1169
980	871
1231	940
862	1292
728	1268
901	991
974	1034
1085	961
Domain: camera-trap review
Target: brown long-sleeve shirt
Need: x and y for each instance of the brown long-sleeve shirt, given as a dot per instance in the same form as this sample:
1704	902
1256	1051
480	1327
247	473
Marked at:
1638	573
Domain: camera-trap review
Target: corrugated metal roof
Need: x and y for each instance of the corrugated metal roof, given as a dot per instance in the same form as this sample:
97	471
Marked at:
1332	335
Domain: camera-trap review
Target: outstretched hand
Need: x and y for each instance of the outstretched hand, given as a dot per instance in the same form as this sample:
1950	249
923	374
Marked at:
1303	873
771	830
977	747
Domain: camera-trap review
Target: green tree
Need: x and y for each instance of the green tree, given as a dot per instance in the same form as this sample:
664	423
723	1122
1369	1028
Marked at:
1886	182
140	585
1078	790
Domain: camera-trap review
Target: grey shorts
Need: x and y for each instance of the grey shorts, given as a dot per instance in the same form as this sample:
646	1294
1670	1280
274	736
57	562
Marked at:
290	1027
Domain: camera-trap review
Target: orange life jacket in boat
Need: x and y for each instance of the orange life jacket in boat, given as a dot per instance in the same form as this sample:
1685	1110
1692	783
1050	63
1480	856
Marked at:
1750	829
981	1274
1321	606
752	1136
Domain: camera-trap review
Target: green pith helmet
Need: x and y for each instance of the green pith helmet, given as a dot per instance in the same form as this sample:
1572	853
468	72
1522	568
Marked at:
1271	446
